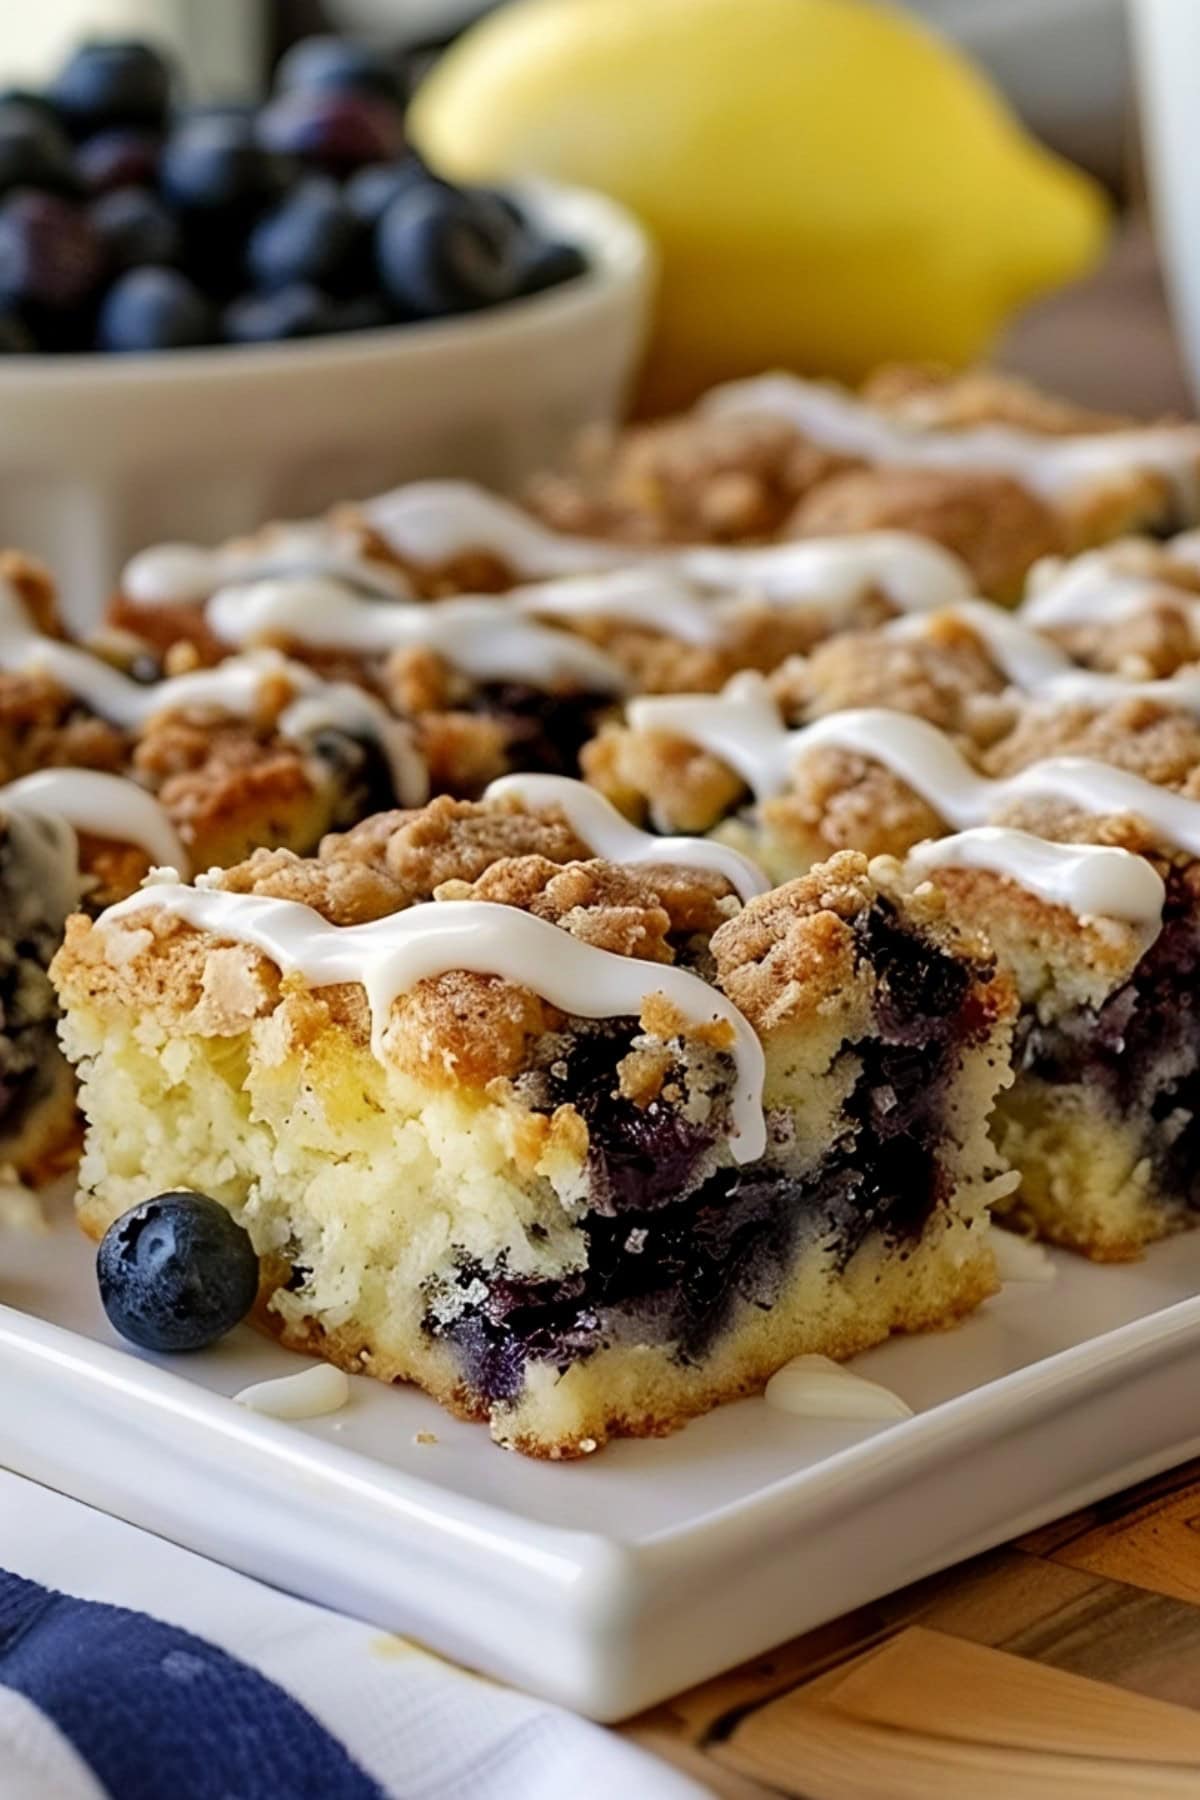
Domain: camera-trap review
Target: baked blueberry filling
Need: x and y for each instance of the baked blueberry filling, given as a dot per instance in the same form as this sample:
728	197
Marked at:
544	731
362	772
673	1247
36	893
1141	1049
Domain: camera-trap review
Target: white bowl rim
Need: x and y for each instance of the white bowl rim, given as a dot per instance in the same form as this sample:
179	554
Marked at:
620	257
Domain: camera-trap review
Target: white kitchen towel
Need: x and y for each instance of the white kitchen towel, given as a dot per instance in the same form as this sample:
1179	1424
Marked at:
132	1669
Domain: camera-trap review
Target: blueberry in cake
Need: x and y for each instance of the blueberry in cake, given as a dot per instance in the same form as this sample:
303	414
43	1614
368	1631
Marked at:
39	889
996	471
583	1149
69	839
1104	946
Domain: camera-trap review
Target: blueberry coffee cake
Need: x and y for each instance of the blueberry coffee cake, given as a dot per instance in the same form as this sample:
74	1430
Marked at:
259	750
1099	1120
581	1147
998	472
881	738
520	680
105	774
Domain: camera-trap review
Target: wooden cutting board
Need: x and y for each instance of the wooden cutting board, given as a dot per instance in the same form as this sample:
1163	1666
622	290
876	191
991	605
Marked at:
1066	1664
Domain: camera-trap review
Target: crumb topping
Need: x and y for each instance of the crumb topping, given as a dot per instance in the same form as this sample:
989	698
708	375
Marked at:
791	949
343	890
686	478
935	396
607	906
996	526
1138	735
944	675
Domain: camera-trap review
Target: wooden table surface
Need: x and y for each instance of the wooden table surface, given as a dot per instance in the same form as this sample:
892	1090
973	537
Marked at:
1066	1664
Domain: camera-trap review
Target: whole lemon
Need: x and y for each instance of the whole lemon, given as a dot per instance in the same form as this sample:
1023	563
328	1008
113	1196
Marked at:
830	185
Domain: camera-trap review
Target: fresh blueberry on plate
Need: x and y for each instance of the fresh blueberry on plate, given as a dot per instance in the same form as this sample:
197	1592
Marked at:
338	65
155	309
50	257
35	152
123	157
313	236
114	83
334	132
135	227
216	165
298	311
547	265
441	250
176	1273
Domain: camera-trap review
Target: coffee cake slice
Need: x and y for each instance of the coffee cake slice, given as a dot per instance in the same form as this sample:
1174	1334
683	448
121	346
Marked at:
1102	1120
583	1150
997	472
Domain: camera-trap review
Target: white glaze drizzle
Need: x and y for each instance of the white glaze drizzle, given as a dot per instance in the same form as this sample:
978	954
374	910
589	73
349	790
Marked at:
742	727
1039	667
816	1387
608	834
433	521
1094	590
485	638
913	573
308	1395
1090	880
106	806
1050	465
177	574
234	686
388	956
695	595
650	598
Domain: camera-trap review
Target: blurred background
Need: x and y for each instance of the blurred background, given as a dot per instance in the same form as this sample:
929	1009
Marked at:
820	185
1064	65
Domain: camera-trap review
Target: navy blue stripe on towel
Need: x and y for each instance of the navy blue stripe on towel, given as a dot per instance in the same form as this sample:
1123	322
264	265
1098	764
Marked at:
158	1714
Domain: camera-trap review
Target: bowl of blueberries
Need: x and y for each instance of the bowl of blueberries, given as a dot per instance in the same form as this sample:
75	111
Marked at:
214	314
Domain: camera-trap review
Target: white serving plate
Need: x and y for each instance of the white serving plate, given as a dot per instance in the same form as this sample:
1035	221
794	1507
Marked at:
610	1583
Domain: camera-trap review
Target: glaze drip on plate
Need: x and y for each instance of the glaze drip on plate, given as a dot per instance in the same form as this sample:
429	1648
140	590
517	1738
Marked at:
389	956
816	1387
